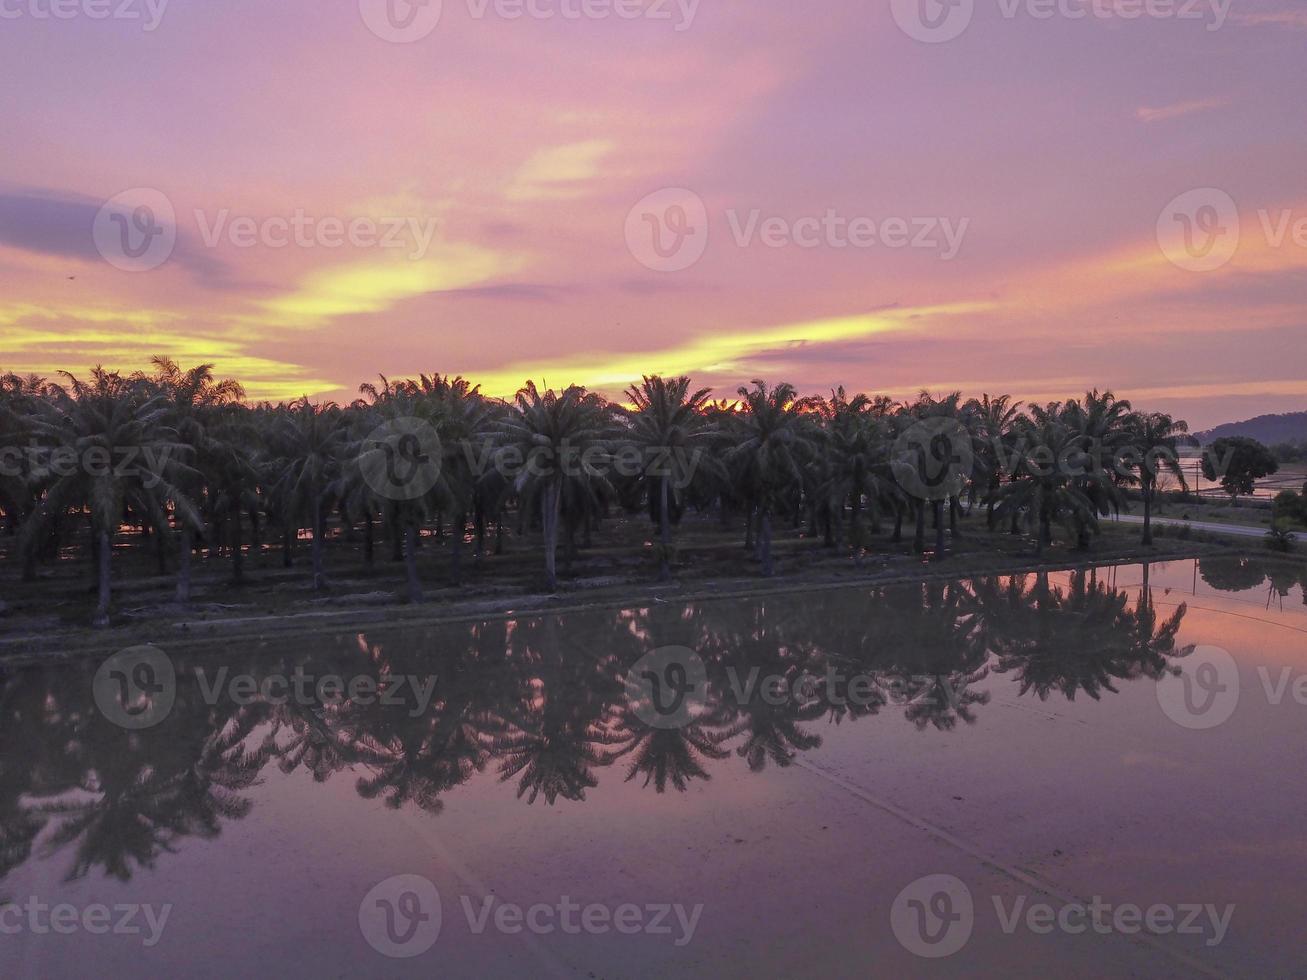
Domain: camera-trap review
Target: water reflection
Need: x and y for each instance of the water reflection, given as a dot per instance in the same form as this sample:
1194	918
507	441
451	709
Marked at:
541	703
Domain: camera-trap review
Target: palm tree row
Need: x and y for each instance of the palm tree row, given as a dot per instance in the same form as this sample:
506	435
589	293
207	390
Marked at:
184	457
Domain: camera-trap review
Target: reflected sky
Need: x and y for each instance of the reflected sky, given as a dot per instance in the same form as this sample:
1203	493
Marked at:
956	704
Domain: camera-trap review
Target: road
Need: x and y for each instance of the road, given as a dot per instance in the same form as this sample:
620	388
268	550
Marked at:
1238	530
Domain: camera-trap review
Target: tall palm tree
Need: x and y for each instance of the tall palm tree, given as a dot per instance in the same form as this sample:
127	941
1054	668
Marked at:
772	441
670	429
549	440
102	424
1156	439
194	398
314	438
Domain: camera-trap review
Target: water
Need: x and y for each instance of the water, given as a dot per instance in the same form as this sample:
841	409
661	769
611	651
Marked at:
1026	737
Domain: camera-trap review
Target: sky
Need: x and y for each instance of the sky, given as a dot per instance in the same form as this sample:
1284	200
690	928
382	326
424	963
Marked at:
1024	196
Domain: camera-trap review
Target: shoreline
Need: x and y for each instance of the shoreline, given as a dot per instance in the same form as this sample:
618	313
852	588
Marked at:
181	630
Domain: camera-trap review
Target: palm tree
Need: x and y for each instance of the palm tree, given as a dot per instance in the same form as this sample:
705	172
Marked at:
1155	439
123	454
548	439
313	437
996	419
193	399
1047	450
772	441
669	428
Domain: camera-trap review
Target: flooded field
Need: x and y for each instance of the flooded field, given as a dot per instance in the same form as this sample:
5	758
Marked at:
1087	774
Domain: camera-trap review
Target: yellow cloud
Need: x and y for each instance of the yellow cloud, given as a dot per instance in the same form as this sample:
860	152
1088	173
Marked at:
375	286
717	352
559	172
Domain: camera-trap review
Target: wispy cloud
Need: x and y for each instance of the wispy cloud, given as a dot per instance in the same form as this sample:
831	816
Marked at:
1149	114
560	171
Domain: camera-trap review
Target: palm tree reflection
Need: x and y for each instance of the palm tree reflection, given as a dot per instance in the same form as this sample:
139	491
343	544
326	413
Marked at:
541	701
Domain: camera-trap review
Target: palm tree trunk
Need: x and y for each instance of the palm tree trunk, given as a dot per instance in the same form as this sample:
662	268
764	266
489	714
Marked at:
898	524
369	536
102	607
764	543
456	549
184	565
939	529
664	530
552	503
287	545
919	535
1148	516
319	578
237	549
748	529
411	561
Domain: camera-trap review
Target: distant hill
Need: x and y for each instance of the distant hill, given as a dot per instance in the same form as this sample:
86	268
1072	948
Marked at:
1266	429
